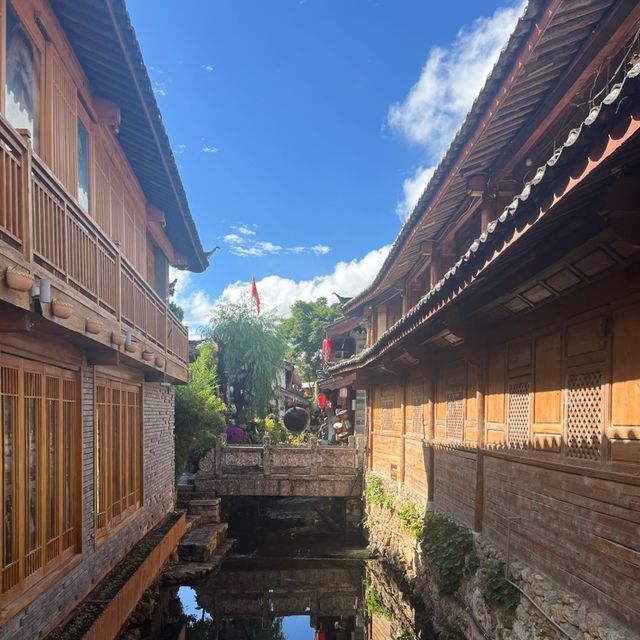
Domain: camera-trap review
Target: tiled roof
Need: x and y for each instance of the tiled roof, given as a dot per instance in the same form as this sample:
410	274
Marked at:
532	63
481	248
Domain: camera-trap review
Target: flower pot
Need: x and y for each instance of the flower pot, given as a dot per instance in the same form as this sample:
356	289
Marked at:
61	309
160	362
94	326
132	347
118	339
148	356
18	279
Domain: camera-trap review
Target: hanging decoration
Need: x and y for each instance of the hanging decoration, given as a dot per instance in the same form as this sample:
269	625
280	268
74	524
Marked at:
326	349
322	400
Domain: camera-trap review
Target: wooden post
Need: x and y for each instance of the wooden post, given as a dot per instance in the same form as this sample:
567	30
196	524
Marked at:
118	282
403	443
27	209
480	419
430	435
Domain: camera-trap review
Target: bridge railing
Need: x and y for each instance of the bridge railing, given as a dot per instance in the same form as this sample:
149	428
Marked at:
270	459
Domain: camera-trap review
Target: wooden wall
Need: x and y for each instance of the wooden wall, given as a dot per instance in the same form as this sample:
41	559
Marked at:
116	201
582	530
559	455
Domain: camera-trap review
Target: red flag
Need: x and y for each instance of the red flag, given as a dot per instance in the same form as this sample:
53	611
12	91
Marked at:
254	293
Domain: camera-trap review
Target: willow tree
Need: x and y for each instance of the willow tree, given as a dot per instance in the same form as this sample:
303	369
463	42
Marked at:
250	356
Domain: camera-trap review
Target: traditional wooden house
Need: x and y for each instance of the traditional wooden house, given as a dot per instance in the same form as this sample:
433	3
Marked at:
504	365
92	213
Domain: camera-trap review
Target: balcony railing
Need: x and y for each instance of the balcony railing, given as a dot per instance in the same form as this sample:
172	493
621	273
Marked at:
50	229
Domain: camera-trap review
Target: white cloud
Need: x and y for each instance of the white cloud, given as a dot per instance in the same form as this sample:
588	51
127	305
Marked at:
412	189
449	82
242	242
207	67
208	149
180	149
277	293
244	230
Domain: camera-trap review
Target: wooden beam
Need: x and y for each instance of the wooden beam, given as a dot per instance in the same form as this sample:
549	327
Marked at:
103	357
15	321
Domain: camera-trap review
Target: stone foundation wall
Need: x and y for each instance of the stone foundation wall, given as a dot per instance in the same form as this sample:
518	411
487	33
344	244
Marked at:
455	614
54	604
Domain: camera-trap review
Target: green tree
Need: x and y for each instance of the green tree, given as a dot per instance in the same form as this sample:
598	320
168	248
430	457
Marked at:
199	409
178	311
304	332
251	353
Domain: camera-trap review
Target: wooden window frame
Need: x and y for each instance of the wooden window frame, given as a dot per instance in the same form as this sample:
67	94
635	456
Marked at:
28	23
51	553
83	116
112	514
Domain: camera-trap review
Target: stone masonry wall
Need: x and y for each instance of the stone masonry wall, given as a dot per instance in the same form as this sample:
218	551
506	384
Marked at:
53	605
400	551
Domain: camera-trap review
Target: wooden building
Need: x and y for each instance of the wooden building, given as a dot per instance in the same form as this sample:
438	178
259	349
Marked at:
92	213
503	367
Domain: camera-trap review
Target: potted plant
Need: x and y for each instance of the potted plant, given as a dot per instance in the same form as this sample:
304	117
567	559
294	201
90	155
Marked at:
18	279
61	309
160	362
131	347
148	356
94	326
118	338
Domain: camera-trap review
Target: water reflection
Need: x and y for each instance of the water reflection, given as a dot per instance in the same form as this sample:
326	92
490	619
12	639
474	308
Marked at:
265	599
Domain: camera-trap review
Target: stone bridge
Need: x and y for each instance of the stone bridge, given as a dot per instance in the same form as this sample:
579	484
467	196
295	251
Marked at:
312	470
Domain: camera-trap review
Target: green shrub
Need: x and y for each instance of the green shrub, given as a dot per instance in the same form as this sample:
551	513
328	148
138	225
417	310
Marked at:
375	492
412	518
404	634
446	546
496	589
374	602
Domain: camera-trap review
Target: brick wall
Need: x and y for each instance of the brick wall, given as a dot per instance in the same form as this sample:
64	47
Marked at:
55	603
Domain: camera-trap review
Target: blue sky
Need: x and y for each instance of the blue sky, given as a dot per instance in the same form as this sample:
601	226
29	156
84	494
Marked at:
305	130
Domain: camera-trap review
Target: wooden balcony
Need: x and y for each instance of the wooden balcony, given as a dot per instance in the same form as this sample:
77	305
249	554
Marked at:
43	230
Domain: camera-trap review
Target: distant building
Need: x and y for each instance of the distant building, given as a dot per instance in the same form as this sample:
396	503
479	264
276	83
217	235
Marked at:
503	362
92	213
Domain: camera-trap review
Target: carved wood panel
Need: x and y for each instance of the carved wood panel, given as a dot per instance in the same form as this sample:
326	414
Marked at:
519	415
584	415
454	419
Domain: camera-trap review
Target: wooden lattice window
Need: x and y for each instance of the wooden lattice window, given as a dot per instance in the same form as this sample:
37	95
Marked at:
454	418
118	453
39	466
417	403
584	415
519	415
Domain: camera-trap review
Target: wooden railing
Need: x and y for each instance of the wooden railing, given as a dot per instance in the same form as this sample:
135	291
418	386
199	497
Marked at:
67	242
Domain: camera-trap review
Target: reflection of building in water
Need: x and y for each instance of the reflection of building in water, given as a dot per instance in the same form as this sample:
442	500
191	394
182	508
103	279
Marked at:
330	593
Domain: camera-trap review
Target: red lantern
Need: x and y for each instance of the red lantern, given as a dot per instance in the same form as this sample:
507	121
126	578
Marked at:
322	400
326	349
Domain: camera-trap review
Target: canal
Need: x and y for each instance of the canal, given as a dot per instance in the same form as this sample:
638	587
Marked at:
293	575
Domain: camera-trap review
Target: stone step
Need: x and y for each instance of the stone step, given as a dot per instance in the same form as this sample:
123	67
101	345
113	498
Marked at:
187	572
201	542
207	507
192	522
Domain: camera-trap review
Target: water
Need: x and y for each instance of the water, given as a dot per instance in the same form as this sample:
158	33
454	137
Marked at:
292	575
